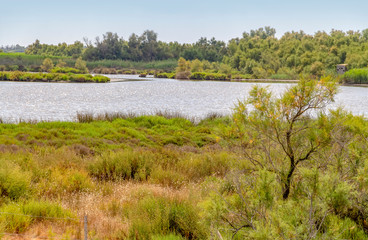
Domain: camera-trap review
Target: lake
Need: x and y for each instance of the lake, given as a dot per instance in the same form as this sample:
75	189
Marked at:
62	101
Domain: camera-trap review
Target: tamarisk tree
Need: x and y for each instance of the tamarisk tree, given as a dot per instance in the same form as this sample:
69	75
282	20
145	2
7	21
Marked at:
281	133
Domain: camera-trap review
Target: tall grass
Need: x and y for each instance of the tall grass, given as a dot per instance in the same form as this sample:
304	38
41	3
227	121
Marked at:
359	76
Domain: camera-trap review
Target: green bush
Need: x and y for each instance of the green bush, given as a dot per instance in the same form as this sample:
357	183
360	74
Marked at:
25	76
21	215
65	70
356	76
15	222
163	216
43	209
14	183
208	76
165	75
122	166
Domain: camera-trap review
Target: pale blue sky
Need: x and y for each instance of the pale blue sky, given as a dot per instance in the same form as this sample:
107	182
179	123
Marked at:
55	21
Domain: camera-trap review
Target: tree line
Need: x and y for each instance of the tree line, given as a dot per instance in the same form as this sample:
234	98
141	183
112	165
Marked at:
257	52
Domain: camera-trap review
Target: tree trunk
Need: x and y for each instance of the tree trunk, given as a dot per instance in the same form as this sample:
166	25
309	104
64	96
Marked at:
288	181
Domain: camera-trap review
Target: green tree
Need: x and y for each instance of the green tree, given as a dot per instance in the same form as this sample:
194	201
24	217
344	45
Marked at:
47	65
183	69
81	65
196	66
285	124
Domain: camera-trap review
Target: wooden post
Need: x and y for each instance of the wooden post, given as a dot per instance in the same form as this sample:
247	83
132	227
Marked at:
85	227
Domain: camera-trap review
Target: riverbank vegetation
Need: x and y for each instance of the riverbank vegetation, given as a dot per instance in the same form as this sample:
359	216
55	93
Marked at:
278	168
51	77
356	76
257	53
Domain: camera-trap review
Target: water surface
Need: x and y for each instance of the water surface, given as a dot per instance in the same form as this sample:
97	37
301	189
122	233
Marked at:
62	101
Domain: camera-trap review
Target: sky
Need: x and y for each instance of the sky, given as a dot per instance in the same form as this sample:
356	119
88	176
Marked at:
184	21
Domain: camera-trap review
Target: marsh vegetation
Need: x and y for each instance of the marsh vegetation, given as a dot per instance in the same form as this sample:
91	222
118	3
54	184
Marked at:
283	168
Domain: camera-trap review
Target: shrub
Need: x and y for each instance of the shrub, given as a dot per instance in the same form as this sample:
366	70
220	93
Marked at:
14	183
24	214
81	65
65	70
45	209
21	76
15	76
208	76
15	222
163	216
100	79
198	76
122	166
47	65
356	76
165	75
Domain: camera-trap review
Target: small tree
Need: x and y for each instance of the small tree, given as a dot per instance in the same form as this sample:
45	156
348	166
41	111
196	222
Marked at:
183	69
81	65
286	125
47	65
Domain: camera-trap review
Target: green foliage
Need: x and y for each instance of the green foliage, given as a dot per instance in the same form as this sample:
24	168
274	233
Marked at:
23	215
122	166
284	123
21	76
165	177
162	216
208	76
47	65
65	70
14	182
165	75
356	76
183	69
81	65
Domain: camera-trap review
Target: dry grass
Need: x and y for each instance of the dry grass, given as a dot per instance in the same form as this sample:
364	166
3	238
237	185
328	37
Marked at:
105	208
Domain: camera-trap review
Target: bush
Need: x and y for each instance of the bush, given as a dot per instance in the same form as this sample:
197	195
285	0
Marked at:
15	222
164	216
208	76
45	209
21	76
122	166
24	214
356	76
65	70
165	75
14	183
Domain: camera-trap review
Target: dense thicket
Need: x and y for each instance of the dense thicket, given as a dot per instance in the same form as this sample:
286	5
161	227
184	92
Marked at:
257	52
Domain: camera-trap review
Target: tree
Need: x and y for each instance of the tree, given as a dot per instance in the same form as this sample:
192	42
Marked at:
81	65
183	69
47	65
196	66
286	124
